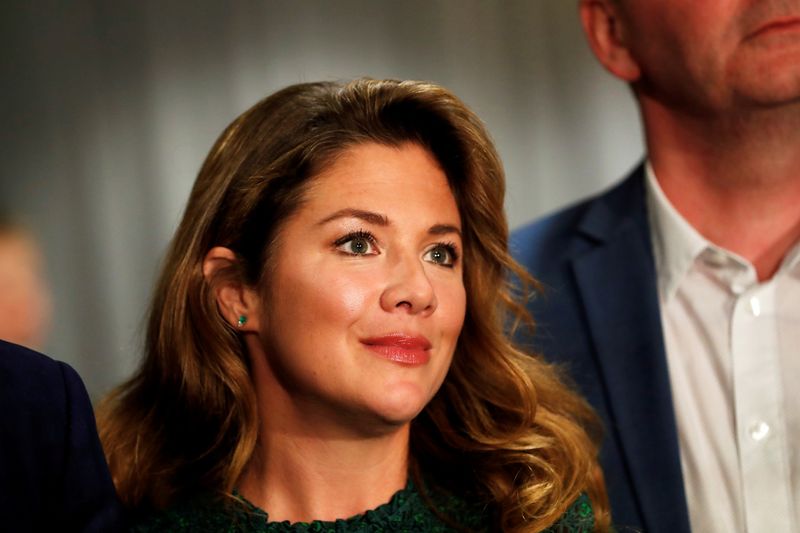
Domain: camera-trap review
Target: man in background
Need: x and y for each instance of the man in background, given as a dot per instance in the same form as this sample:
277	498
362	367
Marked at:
53	475
674	298
25	303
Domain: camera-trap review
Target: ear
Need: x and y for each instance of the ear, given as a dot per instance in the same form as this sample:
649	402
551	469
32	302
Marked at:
237	302
605	30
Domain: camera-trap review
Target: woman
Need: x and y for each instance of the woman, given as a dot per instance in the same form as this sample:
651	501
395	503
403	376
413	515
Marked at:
326	346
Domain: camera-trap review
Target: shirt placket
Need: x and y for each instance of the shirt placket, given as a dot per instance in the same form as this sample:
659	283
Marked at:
758	399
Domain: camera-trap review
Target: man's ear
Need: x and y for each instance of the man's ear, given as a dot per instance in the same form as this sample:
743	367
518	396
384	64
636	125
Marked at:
605	30
238	303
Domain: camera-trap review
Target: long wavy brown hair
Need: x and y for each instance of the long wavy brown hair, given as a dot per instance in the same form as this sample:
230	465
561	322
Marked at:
503	423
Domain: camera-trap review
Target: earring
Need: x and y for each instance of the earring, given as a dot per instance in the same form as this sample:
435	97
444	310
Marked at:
242	321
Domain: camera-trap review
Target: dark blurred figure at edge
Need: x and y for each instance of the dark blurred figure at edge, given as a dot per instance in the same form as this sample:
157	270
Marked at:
673	299
53	475
25	301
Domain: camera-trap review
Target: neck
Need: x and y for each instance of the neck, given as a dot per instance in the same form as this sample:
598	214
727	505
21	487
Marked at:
734	177
311	478
313	464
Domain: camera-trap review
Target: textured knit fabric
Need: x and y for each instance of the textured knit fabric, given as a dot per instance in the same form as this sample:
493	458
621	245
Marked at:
406	512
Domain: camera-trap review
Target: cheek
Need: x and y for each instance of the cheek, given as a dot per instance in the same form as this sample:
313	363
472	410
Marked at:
452	308
348	296
310	316
320	297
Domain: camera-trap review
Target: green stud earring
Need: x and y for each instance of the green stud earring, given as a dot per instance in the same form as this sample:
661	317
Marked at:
242	321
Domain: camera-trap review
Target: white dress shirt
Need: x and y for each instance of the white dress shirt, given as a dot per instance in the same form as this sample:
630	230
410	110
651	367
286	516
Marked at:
733	350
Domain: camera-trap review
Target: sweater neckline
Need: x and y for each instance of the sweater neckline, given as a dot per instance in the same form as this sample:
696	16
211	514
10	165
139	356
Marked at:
400	502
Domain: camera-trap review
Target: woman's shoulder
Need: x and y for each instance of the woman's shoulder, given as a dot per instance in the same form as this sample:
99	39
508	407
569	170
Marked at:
406	512
203	514
473	516
579	518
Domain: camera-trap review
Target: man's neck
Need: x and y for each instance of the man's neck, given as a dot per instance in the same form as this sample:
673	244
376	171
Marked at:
735	178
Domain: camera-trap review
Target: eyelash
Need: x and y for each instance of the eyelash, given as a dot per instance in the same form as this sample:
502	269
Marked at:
450	247
360	234
451	250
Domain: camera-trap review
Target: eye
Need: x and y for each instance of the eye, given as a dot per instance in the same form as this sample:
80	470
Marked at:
442	254
357	243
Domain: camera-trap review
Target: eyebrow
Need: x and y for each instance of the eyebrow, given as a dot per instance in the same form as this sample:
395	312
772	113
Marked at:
444	229
381	220
366	216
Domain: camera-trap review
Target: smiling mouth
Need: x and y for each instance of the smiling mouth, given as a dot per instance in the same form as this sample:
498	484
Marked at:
400	348
777	26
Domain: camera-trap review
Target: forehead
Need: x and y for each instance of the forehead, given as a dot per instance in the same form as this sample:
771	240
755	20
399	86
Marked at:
403	178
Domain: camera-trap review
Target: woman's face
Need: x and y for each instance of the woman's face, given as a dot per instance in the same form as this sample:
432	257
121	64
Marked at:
365	300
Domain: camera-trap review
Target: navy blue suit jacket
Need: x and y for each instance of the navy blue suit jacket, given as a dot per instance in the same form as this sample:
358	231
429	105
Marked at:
53	475
598	314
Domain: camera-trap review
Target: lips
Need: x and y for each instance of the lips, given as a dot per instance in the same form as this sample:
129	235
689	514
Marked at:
777	25
400	348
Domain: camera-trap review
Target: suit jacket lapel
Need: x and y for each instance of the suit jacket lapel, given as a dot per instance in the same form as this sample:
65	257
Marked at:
617	282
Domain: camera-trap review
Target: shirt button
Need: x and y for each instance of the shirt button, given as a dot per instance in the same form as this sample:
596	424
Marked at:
755	306
759	431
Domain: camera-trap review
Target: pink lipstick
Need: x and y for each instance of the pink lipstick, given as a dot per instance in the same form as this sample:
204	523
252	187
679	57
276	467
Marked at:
400	348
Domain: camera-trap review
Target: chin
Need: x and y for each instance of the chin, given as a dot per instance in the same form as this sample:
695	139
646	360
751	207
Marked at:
400	404
773	83
775	94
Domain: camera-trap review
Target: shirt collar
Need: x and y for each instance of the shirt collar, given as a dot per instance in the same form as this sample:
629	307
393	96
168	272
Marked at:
792	261
676	244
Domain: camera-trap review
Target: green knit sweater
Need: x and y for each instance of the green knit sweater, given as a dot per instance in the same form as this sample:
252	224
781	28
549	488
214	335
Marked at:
405	512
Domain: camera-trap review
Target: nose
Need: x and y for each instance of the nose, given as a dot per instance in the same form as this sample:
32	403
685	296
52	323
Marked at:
409	289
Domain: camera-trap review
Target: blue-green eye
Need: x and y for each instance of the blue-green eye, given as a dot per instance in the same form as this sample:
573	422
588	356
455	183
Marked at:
442	254
357	243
